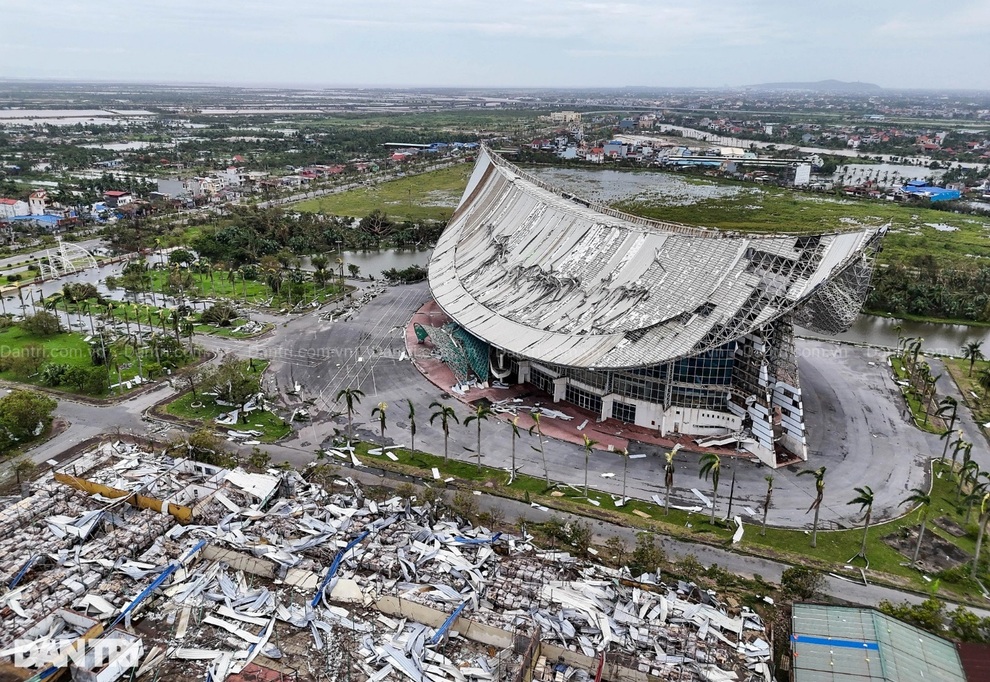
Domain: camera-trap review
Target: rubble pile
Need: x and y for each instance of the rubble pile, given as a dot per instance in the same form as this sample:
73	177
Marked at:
329	580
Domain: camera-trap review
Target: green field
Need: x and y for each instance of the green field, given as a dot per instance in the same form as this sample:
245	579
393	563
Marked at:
427	196
772	209
67	348
429	122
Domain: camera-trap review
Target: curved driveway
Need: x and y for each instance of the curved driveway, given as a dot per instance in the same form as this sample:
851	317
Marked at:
857	424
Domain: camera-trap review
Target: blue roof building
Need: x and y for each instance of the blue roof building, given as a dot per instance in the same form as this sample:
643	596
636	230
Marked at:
921	188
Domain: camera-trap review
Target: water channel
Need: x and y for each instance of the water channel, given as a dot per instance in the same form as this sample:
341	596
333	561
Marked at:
941	339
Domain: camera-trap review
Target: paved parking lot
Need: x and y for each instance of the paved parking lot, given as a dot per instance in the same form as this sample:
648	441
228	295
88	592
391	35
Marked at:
858	427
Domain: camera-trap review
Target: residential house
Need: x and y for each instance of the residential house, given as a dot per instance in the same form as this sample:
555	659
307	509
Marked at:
38	202
11	208
116	198
172	188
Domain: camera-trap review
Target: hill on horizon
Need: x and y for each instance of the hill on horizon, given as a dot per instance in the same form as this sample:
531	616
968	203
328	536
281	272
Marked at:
830	85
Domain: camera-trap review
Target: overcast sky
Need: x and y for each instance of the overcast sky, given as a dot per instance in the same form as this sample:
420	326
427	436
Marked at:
487	43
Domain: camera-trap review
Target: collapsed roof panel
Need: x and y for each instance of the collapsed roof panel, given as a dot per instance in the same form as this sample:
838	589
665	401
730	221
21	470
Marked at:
531	271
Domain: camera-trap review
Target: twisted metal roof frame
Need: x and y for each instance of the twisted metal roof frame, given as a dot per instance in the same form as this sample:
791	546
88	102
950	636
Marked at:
542	274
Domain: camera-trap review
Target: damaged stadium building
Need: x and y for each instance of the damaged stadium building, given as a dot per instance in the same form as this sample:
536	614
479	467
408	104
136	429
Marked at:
681	329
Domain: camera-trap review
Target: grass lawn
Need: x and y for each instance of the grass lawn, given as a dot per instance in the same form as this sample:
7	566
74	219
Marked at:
837	547
834	550
250	291
67	348
144	317
430	196
270	424
932	424
969	385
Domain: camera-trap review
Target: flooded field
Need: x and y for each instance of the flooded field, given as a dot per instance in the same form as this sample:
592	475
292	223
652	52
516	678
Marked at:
611	186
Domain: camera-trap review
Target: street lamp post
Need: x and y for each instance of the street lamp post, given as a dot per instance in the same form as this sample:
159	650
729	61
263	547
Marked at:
625	467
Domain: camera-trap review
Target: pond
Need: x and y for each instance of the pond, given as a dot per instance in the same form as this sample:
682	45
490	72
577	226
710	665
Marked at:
374	261
943	339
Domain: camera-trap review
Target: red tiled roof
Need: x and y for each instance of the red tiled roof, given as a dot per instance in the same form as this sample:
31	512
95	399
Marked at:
9	202
115	193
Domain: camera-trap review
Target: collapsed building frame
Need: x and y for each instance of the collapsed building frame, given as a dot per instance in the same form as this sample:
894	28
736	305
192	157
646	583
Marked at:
667	326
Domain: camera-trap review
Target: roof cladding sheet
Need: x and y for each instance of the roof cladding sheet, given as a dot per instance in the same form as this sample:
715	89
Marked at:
541	274
852	644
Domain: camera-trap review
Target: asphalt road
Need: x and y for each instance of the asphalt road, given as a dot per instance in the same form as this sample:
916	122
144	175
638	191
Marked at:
857	425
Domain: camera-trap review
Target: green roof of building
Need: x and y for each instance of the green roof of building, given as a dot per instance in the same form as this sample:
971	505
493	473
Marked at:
852	644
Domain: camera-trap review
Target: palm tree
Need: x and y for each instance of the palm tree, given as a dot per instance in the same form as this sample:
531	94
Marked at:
972	351
976	491
444	413
668	476
915	349
515	434
968	469
711	464
766	503
928	395
588	445
947	406
924	502
957	447
864	499
984	516
412	423
481	413
380	411
984	381
819	475
351	396
539	439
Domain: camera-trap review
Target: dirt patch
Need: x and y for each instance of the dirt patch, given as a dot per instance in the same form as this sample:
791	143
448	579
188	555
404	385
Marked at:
936	554
950	526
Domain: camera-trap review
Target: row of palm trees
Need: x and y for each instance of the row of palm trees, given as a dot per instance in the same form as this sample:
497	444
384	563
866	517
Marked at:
710	467
446	416
969	477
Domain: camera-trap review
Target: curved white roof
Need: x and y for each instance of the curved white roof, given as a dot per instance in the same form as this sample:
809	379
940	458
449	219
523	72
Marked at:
539	273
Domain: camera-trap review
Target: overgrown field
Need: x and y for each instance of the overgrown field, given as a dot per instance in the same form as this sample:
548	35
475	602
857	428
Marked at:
427	196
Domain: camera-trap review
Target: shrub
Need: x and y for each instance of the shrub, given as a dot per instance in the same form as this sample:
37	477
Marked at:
28	361
220	314
464	505
54	374
42	323
800	583
648	555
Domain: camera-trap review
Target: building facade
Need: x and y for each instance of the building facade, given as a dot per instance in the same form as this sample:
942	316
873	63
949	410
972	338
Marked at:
680	329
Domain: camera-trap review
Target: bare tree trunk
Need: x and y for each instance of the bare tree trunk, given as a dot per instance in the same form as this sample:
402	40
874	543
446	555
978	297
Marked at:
814	530
921	536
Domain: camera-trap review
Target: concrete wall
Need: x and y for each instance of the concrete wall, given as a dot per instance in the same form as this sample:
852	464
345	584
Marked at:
239	560
476	632
504	639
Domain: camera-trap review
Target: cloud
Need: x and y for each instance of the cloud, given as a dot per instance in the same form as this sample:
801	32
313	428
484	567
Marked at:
947	23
